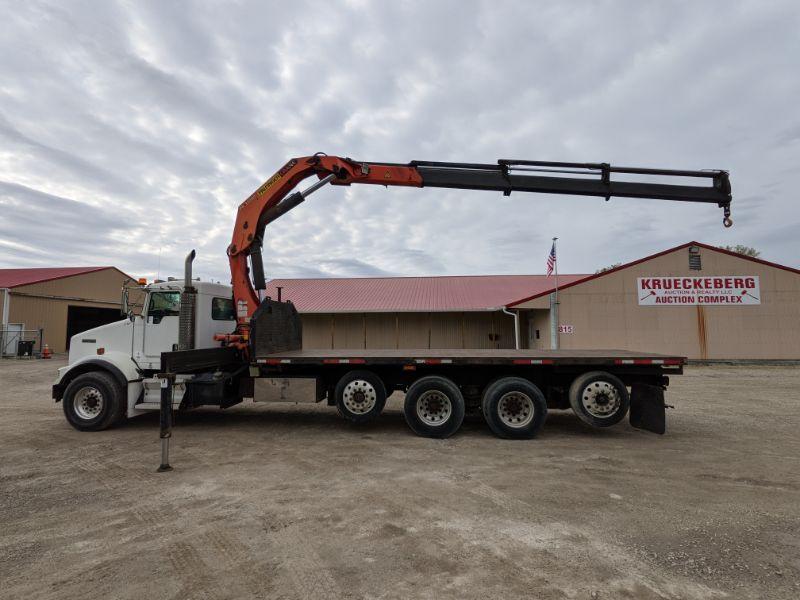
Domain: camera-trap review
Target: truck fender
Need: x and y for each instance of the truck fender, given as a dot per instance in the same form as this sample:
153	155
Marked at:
120	365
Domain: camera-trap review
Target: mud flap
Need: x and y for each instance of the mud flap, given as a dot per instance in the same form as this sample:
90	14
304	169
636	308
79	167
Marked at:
648	408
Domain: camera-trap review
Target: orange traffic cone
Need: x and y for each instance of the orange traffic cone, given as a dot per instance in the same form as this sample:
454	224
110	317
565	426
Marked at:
46	353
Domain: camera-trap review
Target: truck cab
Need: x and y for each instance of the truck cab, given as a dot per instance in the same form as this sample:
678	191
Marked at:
110	372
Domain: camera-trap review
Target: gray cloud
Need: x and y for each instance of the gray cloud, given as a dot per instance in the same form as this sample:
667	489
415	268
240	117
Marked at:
789	136
130	132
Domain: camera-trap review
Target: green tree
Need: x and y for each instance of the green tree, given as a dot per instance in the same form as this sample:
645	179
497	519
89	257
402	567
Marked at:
608	268
740	249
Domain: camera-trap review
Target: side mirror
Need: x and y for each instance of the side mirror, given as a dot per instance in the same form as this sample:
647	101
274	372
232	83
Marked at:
131	316
125	310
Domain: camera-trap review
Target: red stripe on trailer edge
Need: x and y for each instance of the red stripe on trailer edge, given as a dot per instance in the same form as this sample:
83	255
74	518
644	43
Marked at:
274	361
433	361
648	361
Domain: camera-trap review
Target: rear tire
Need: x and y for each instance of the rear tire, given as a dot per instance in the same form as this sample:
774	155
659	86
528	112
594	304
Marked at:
600	399
514	408
360	396
93	402
434	407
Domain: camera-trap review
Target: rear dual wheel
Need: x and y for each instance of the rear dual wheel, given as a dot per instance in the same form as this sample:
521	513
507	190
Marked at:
434	407
514	408
360	396
599	399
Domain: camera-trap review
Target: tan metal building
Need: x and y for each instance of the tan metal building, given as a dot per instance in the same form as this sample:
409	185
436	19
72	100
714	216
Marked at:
58	301
408	312
693	300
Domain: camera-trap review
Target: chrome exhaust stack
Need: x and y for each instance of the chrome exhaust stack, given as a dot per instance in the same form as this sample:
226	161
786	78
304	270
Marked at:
186	319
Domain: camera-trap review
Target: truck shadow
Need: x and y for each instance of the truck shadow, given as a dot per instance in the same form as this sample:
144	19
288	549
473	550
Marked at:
285	419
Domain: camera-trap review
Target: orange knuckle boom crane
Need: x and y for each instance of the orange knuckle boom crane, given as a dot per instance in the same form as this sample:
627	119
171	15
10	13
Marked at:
270	200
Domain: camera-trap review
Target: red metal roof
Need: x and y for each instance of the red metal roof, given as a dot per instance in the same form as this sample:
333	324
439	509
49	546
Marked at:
10	278
412	294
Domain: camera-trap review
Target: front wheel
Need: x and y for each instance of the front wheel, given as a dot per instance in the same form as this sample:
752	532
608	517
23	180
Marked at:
93	401
434	407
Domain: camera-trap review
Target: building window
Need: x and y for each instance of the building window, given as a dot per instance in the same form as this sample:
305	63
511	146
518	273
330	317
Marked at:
694	259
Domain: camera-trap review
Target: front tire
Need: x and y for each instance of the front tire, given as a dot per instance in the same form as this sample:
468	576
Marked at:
93	402
434	407
600	399
514	408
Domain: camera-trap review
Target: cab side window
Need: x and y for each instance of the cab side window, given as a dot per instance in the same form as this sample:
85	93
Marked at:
222	309
163	304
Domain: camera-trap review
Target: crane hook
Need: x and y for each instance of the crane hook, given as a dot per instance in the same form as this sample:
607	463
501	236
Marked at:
726	219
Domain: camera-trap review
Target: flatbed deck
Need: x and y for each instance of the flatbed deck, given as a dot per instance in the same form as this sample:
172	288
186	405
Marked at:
470	356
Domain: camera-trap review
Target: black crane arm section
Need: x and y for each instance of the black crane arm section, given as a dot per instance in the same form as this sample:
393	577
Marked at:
587	179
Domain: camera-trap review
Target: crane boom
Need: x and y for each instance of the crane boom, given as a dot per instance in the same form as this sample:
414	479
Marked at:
270	201
595	180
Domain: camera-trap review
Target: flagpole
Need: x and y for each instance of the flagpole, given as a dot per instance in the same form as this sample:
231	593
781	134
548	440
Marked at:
555	302
555	267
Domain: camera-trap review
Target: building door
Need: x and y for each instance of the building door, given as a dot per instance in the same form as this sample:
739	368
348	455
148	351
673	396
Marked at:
83	318
9	338
535	334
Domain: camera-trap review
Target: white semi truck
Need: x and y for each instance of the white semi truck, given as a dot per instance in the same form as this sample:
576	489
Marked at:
111	368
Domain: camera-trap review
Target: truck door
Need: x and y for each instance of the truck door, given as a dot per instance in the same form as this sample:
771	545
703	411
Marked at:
160	326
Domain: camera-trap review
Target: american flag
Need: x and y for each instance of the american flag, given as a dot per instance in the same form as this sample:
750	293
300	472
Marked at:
551	260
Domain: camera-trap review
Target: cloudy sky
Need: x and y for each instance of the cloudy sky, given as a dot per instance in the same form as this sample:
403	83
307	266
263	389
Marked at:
131	131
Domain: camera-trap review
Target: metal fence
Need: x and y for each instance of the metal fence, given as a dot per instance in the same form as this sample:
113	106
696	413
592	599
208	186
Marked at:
16	342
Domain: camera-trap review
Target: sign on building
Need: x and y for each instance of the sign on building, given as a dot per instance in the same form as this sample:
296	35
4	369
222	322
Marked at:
726	290
566	329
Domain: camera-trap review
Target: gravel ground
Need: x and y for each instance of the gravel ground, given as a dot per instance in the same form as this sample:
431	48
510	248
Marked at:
291	502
